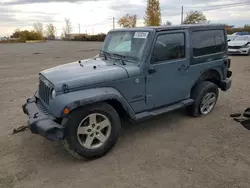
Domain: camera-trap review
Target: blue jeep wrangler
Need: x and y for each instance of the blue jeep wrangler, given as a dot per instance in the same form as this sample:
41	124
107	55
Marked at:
139	73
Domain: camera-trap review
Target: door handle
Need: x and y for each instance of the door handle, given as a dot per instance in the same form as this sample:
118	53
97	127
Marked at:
151	70
183	68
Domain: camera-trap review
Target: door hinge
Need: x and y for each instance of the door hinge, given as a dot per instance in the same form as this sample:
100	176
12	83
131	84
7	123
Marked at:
148	97
147	78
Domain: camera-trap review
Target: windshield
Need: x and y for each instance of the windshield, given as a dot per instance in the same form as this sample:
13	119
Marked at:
243	38
129	44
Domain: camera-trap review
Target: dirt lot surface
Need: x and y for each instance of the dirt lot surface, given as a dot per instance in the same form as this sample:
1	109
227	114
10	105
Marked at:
170	151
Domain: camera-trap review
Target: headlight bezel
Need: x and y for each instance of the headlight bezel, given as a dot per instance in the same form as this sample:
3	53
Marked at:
53	94
245	46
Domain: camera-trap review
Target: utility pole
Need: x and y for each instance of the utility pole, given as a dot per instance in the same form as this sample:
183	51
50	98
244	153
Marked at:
92	31
79	28
113	22
181	14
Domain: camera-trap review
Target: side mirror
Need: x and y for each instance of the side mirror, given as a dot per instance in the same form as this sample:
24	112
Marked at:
151	70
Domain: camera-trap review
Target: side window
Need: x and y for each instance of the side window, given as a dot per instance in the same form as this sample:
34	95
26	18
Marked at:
168	47
208	42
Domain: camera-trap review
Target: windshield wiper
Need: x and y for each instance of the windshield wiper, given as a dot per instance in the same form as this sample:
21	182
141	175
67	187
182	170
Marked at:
114	54
105	54
120	57
123	56
122	61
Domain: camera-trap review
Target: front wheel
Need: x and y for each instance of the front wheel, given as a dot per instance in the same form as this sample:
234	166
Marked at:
91	131
205	95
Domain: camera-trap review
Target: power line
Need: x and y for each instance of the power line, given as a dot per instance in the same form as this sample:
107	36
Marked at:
209	9
100	23
212	7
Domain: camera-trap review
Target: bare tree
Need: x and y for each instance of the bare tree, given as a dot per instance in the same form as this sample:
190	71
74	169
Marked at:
38	27
167	23
50	31
67	28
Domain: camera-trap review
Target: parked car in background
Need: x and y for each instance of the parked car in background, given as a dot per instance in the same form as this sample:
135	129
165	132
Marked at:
231	37
240	45
3	38
241	33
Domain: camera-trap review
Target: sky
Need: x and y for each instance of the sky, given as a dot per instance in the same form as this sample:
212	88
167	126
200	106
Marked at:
96	16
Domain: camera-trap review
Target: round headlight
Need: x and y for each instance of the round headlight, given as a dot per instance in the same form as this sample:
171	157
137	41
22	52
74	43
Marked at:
53	94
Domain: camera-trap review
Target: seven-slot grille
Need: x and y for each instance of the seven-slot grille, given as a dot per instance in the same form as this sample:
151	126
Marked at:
44	92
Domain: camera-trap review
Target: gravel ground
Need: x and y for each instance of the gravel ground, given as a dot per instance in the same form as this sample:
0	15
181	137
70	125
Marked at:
173	150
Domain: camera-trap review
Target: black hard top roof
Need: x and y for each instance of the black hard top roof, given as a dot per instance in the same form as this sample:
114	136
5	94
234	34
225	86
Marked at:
173	27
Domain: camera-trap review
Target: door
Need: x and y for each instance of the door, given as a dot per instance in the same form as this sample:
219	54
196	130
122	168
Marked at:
167	78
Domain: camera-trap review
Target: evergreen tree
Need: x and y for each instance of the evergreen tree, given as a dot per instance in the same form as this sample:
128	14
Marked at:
153	13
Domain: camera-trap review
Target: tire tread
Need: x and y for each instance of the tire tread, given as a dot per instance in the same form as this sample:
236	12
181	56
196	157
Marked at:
196	94
77	115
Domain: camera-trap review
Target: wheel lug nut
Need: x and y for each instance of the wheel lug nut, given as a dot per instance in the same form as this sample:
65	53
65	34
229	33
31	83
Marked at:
91	135
93	125
98	128
89	130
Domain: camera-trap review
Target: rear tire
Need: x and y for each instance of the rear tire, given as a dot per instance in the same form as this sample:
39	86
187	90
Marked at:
205	95
91	131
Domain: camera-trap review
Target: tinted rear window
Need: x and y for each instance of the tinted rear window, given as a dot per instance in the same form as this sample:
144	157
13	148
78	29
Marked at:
208	42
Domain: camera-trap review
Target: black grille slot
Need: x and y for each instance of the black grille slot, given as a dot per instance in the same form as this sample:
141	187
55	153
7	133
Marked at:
234	47
42	108
44	92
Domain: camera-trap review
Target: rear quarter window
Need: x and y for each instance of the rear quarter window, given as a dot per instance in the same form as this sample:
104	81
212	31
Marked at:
208	42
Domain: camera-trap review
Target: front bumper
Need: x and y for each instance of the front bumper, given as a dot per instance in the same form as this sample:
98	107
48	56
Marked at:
226	84
41	124
238	51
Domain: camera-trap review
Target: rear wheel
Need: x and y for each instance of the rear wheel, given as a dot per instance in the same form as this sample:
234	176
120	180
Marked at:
91	131
205	95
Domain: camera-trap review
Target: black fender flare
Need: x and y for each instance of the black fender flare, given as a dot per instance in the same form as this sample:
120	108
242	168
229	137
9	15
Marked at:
81	98
211	73
206	75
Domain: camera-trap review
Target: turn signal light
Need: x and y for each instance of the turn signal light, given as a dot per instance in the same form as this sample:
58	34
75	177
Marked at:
66	111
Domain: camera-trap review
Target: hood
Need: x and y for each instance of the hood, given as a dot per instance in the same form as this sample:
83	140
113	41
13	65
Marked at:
237	42
92	72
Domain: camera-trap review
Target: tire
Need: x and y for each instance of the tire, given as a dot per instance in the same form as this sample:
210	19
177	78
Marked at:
77	143
200	94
